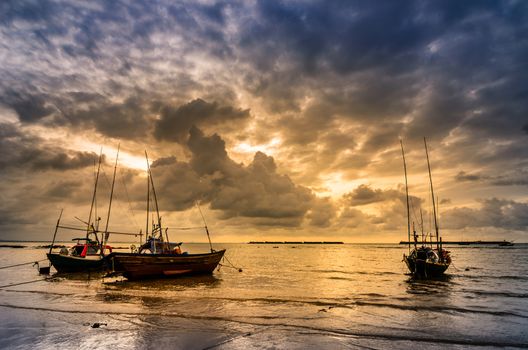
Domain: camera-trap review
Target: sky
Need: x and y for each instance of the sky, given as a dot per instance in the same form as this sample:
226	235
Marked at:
281	119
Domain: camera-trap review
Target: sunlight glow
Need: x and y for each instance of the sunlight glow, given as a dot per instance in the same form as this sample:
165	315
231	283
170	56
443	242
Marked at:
269	148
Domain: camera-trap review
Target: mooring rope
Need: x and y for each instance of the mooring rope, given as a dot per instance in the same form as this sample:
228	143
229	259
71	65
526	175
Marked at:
231	265
31	262
27	282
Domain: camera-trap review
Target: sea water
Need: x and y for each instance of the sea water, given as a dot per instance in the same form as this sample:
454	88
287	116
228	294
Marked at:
351	296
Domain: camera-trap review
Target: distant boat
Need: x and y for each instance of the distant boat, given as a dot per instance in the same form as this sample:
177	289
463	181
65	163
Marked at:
424	261
506	243
157	257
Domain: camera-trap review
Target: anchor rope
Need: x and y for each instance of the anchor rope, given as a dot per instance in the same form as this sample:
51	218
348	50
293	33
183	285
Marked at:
31	262
28	282
231	265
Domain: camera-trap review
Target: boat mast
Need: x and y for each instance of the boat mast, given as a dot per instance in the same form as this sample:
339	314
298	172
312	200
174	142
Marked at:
148	206
206	229
156	202
94	195
432	195
422	227
55	233
407	198
107	234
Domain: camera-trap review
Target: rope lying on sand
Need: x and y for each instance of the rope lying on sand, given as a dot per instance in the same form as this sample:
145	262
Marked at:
27	282
31	262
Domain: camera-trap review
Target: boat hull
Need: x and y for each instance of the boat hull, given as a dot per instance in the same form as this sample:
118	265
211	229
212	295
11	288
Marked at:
68	263
142	266
424	268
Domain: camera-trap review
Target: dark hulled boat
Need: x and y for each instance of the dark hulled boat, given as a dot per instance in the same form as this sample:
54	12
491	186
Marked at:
424	261
80	258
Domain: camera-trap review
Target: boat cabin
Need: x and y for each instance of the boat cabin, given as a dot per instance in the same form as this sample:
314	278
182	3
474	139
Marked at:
84	247
425	254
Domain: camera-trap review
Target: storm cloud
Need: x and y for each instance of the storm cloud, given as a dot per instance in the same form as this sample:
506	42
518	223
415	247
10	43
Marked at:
254	191
20	150
175	123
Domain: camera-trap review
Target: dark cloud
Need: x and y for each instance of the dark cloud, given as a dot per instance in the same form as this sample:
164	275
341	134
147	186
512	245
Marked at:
175	123
63	189
494	212
29	108
127	119
391	208
364	194
256	191
163	162
23	150
463	176
506	178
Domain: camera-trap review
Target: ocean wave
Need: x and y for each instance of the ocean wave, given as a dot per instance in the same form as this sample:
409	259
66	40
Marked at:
440	309
498	294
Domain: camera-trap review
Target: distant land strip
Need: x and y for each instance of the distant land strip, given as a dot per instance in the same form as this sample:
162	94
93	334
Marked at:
293	242
462	242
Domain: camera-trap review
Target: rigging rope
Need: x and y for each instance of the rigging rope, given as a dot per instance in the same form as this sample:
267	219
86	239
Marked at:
118	203
128	197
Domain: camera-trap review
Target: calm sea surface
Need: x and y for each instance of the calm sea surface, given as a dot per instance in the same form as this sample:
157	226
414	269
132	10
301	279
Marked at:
292	297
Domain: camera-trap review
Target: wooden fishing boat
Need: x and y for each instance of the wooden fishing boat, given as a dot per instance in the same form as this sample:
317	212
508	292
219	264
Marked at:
141	266
157	257
424	261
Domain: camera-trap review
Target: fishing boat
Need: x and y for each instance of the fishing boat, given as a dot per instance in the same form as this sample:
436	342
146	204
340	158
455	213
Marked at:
158	257
83	256
89	253
426	260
